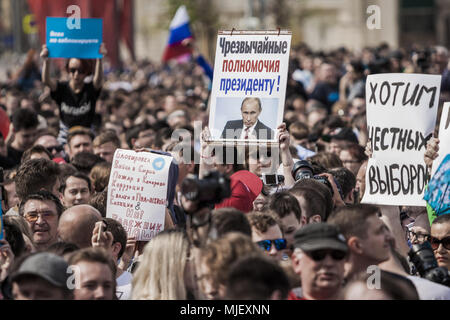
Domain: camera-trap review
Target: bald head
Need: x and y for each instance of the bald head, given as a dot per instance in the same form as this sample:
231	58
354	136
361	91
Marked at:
77	223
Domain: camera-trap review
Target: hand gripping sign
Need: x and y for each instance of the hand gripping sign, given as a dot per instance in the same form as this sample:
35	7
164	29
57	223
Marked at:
401	116
137	192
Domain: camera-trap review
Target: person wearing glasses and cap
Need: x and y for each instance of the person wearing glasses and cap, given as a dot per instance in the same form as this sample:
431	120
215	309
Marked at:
320	252
76	98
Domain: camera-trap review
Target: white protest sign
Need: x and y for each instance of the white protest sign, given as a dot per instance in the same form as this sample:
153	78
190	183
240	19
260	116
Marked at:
250	71
401	115
137	192
444	137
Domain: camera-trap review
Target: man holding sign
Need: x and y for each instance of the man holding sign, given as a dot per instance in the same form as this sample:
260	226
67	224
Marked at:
76	99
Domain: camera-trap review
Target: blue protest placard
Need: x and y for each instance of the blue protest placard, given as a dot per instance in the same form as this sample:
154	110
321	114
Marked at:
438	192
83	42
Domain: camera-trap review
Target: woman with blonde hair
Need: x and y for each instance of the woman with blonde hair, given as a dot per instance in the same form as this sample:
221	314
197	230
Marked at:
163	268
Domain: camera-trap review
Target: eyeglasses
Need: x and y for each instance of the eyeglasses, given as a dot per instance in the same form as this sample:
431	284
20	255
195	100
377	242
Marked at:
33	217
319	255
266	245
435	243
73	70
57	148
418	236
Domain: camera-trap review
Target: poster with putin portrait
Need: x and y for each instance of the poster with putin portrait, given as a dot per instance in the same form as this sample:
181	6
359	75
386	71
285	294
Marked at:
249	85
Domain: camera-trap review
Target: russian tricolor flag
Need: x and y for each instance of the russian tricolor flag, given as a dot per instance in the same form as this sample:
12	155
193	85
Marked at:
179	30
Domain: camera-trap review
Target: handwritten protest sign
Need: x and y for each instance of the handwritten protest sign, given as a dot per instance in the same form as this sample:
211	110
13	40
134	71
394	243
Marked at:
444	137
438	192
401	115
137	192
83	43
249	85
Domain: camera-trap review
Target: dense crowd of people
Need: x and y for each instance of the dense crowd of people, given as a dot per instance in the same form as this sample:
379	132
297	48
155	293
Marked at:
305	237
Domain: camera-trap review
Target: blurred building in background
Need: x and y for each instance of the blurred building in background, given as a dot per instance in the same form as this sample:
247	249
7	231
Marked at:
139	28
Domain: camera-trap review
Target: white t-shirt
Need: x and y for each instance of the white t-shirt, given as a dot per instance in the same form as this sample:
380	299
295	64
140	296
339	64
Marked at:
123	290
429	290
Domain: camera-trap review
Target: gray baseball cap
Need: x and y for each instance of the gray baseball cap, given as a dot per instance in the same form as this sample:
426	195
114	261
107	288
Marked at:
317	236
45	265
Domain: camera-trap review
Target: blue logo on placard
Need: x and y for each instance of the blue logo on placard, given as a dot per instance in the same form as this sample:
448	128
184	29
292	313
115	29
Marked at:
158	164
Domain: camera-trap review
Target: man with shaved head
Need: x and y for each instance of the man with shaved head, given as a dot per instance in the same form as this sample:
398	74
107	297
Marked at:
51	143
77	223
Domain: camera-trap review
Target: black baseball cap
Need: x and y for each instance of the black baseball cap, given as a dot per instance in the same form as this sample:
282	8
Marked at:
318	236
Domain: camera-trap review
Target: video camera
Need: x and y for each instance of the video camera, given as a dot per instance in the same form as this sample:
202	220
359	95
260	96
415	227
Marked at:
422	256
303	170
208	191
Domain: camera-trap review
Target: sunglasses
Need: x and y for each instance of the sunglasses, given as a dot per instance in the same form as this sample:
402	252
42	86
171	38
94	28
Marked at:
266	245
435	243
319	255
57	148
33	217
73	70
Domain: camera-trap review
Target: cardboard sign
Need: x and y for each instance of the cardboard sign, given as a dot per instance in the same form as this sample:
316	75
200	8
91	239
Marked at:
444	137
401	115
83	42
438	191
249	85
137	192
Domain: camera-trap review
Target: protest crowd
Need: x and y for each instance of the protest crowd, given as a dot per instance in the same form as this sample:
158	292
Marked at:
304	236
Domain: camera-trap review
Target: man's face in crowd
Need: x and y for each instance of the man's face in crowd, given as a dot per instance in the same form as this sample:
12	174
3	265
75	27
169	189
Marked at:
334	147
25	138
96	282
76	192
36	288
272	233
80	143
52	145
441	231
145	139
106	151
361	180
376	244
349	162
319	278
42	218
209	287
290	224
11	194
250	112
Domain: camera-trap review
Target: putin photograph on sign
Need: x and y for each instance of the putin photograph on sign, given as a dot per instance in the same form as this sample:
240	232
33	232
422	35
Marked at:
250	126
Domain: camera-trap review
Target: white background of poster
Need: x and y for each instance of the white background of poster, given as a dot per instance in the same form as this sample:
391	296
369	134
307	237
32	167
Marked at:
393	114
137	192
279	89
444	137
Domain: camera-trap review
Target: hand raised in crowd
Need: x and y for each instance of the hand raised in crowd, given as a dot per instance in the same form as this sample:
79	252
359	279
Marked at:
368	150
103	50
100	237
128	253
6	259
44	52
431	153
284	137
